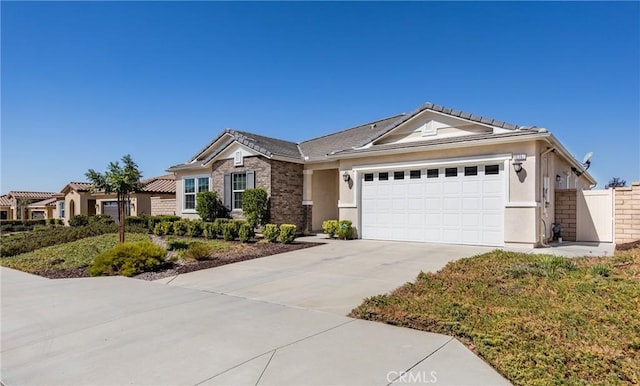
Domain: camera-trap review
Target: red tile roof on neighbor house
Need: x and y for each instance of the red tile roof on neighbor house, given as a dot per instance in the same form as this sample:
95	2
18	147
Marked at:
161	184
80	186
48	202
31	195
4	200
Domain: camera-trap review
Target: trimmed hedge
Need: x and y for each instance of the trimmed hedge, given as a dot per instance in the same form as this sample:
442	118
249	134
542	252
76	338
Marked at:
270	232
287	233
18	243
20	225
330	227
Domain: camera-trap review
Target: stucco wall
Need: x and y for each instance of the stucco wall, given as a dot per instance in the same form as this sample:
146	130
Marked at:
324	197
627	213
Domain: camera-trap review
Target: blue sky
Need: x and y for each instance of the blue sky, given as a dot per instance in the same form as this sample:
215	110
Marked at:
84	83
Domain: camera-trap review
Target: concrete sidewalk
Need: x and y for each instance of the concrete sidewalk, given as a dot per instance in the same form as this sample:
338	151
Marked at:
115	331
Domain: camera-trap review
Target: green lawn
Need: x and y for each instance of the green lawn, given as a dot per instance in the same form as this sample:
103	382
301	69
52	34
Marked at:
76	254
536	319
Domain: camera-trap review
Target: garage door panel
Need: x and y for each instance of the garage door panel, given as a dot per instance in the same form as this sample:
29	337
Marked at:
455	209
471	187
451	219
471	203
494	186
451	187
471	220
433	188
451	203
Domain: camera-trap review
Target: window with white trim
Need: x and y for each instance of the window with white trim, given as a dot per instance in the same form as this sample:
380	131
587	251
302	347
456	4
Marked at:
191	187
238	186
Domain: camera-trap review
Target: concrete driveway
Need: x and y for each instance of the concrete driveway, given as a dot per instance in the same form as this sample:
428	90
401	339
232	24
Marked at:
333	278
233	325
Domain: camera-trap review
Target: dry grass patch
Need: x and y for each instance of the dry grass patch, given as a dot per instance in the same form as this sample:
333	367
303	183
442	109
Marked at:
537	319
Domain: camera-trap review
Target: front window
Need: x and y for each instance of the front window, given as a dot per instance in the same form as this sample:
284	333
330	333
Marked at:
193	186
239	184
61	209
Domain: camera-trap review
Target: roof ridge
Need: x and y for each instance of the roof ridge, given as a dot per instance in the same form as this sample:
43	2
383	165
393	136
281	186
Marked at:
354	127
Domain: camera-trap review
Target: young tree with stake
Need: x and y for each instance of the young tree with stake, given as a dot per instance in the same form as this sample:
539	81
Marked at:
121	180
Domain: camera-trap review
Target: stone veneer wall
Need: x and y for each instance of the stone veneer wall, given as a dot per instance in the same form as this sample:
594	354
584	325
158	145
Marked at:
161	206
627	210
286	193
281	180
565	212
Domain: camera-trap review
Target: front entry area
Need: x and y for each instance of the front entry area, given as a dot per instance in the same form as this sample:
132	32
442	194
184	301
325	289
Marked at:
457	204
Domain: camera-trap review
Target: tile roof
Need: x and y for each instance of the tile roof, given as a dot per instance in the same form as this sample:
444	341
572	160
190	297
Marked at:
48	202
435	142
266	145
318	148
4	200
30	195
339	142
80	186
161	184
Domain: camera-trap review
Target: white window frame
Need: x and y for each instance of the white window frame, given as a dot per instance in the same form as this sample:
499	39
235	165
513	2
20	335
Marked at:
195	193
234	191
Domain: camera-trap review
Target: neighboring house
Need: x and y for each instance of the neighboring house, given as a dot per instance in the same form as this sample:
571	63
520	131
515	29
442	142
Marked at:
17	205
433	175
6	212
156	195
45	209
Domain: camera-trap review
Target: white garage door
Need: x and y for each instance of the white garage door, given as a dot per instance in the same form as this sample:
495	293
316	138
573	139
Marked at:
454	204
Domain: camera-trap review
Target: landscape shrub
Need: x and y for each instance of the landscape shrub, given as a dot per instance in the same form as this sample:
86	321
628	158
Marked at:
229	232
135	220
51	221
195	228
163	228
209	206
18	243
59	221
177	244
128	259
270	232
330	227
180	227
210	230
79	220
287	233
219	222
152	221
255	206
198	251
345	230
101	218
246	232
28	224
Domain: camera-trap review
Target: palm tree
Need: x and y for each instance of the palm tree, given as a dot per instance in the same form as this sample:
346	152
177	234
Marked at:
121	180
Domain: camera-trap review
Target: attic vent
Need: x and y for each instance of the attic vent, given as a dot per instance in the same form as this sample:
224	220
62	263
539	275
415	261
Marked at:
238	160
372	126
429	128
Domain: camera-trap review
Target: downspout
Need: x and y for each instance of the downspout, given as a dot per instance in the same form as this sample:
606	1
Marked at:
543	233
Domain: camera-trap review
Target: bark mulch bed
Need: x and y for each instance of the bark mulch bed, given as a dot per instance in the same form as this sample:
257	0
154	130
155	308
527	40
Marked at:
627	246
238	252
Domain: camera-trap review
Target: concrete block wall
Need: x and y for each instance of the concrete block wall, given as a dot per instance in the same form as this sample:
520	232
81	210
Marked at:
565	212
627	212
161	206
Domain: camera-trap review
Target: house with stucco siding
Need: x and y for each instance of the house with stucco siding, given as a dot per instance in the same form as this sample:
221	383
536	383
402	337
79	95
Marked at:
435	174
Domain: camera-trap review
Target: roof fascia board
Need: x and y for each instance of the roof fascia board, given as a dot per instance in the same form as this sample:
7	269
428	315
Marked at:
211	144
481	142
554	142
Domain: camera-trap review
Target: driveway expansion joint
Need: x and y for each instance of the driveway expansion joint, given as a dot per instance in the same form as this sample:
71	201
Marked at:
423	359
